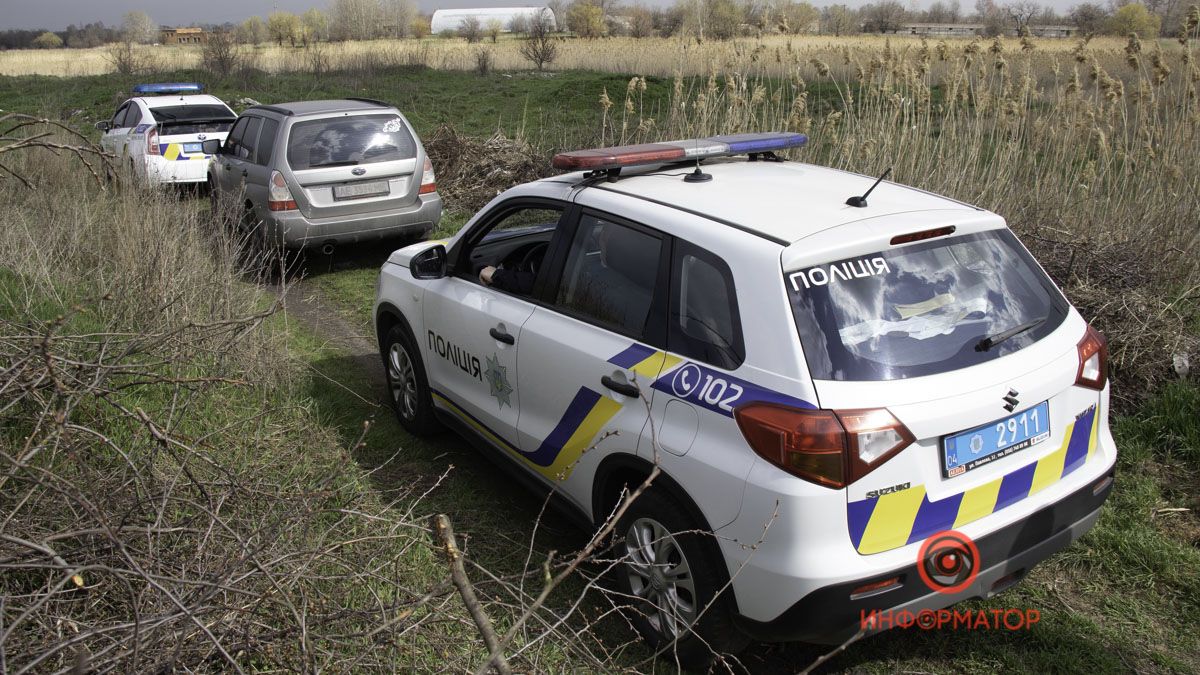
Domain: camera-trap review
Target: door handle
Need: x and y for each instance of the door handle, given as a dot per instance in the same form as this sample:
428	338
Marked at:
501	336
245	173
227	167
624	388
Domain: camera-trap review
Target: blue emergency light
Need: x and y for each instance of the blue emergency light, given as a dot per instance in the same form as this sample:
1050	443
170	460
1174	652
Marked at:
600	159
169	88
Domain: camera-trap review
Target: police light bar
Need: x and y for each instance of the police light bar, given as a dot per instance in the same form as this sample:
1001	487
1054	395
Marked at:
169	88
599	159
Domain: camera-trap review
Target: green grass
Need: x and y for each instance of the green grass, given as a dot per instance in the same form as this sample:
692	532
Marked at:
1125	597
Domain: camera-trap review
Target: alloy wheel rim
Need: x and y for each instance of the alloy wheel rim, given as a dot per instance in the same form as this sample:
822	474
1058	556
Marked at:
658	572
403	381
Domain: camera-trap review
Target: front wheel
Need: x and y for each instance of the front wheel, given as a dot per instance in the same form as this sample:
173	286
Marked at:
408	388
670	574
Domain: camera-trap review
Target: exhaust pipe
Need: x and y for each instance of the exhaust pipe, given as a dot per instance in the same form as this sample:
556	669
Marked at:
327	248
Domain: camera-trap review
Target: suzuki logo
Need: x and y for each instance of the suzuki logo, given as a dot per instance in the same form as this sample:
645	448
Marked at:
1011	401
358	171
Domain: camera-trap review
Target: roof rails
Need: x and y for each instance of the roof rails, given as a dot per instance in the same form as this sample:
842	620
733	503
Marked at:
169	88
369	100
272	108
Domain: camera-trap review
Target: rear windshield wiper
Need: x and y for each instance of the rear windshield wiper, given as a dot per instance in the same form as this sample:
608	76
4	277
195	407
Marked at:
349	162
993	340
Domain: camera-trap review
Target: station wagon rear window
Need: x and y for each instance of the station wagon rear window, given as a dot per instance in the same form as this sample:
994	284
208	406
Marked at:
922	309
193	119
346	141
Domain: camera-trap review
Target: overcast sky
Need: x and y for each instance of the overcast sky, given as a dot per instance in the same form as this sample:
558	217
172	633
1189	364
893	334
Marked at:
56	14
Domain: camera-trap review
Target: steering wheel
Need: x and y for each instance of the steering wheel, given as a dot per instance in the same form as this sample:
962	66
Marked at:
533	258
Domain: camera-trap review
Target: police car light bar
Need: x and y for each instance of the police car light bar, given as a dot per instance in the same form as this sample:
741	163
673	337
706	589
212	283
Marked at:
169	88
600	159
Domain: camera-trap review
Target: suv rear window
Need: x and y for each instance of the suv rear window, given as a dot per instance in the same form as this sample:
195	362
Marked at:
344	141
921	309
193	119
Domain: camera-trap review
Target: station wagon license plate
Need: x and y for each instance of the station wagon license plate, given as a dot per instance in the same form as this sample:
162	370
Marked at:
374	188
982	445
192	148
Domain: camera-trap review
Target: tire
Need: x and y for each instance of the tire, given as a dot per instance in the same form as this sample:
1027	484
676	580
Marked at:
408	387
671	572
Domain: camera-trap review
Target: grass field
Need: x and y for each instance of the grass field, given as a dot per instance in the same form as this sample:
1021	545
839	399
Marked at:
661	57
1095	175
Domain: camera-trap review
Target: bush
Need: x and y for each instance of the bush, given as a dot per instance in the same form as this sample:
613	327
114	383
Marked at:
47	40
221	55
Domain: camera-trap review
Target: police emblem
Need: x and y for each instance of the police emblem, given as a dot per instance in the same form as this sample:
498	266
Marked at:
497	379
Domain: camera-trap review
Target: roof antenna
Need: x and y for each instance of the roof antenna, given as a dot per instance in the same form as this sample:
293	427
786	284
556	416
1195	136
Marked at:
861	202
697	176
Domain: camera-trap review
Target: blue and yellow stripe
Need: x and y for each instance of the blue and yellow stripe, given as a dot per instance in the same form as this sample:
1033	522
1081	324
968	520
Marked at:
583	420
901	518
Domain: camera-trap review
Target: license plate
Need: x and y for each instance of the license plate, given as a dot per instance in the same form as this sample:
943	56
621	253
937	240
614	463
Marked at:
193	147
373	188
972	449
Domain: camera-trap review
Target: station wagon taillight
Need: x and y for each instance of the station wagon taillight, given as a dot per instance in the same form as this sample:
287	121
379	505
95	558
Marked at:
1093	360
828	447
279	197
428	179
152	142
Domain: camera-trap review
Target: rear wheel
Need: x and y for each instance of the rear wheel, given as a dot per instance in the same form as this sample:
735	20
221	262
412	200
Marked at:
670	573
408	388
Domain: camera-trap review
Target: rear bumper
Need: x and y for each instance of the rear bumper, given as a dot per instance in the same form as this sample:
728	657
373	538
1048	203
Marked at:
829	615
160	170
294	230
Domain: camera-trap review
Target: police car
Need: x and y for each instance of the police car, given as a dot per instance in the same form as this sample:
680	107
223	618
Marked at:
831	371
158	135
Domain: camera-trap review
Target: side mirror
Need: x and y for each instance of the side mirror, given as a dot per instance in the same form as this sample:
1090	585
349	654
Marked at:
103	125
212	146
429	264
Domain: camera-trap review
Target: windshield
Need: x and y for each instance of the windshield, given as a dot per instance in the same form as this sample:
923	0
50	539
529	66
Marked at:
922	309
345	141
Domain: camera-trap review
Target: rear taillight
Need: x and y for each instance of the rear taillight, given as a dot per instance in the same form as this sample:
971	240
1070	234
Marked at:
827	447
152	142
280	197
1093	360
428	180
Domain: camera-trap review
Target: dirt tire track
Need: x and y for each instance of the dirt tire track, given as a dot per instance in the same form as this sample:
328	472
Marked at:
321	315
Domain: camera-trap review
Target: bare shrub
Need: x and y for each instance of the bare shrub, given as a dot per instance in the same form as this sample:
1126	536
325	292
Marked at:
124	58
221	56
470	30
539	46
483	61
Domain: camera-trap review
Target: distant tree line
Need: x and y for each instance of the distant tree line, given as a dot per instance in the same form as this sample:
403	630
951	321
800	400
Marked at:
702	19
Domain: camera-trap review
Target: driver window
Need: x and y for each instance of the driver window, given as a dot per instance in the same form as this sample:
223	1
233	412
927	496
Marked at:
119	117
509	255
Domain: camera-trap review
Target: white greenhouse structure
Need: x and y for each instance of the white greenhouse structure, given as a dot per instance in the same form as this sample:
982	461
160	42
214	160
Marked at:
451	19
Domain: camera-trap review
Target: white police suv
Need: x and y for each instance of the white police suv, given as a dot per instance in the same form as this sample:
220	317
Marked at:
158	135
830	371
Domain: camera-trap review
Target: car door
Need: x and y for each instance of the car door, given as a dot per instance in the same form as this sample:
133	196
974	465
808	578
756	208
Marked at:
257	168
118	133
590	353
472	331
230	160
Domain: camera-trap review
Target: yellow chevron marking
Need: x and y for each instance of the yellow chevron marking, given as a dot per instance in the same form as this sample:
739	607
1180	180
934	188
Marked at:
892	520
581	440
654	364
1094	437
173	150
1050	468
978	502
